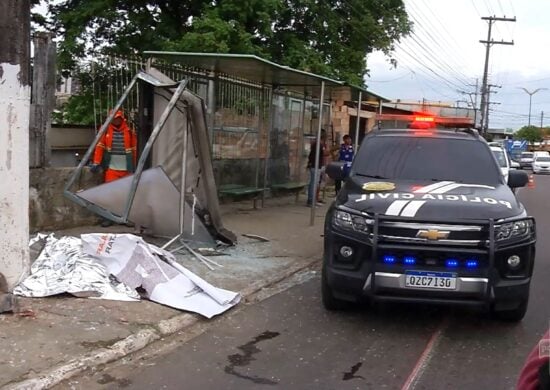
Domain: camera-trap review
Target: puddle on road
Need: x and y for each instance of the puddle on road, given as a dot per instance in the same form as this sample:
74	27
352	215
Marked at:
244	359
351	374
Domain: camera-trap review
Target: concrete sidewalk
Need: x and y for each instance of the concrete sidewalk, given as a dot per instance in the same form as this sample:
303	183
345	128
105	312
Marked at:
51	339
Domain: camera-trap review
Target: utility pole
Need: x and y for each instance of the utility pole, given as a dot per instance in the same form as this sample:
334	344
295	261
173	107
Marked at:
472	99
488	43
488	104
541	119
14	142
488	109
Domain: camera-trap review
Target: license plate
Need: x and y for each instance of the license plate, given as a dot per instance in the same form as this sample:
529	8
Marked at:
432	280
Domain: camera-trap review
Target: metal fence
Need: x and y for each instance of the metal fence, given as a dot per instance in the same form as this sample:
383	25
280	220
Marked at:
245	130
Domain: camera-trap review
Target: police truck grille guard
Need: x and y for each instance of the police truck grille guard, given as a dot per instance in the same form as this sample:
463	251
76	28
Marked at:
483	245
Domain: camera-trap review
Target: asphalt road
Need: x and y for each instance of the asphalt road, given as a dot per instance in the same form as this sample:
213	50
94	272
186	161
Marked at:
290	342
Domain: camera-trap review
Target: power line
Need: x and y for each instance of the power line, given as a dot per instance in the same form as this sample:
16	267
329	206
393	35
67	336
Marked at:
429	84
474	4
449	83
390	80
441	42
530	81
443	66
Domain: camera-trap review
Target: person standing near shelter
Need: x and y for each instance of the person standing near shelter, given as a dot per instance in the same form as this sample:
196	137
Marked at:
345	156
324	152
116	151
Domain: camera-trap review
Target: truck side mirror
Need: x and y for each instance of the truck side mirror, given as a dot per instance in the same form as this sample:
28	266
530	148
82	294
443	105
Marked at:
517	178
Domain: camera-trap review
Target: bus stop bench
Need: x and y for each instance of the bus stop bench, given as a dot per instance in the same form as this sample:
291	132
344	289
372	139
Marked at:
292	187
238	191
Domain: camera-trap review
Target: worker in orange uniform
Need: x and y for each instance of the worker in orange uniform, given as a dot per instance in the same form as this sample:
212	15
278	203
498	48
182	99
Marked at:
116	151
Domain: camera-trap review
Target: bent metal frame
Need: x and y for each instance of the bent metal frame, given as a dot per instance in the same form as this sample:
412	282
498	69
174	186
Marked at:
177	88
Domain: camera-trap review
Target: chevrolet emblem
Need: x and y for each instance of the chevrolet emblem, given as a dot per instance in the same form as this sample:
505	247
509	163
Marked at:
432	235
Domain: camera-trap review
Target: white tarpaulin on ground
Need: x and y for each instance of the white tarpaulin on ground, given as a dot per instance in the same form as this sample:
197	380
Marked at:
113	266
136	263
62	267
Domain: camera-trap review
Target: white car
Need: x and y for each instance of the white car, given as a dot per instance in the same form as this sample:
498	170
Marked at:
502	159
541	164
526	159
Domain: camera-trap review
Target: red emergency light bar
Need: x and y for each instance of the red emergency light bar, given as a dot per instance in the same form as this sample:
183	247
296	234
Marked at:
425	119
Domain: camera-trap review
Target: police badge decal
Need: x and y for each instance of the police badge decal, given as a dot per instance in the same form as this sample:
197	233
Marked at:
377	186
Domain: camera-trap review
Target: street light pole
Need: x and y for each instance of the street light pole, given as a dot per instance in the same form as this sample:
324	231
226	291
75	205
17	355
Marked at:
531	98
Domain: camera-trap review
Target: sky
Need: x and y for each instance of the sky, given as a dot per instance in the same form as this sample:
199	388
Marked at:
443	56
441	60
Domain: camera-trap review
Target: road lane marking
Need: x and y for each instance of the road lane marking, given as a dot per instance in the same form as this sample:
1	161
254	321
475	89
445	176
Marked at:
425	357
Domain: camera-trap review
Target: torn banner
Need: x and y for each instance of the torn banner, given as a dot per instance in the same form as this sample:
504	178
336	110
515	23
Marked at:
136	263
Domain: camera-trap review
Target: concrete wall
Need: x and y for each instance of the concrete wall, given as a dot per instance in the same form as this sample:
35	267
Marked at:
48	208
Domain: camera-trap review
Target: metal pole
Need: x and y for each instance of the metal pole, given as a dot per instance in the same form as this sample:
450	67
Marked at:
301	139
484	94
182	185
145	154
271	111
475	104
530	98
317	152
356	145
379	120
260	125
184	174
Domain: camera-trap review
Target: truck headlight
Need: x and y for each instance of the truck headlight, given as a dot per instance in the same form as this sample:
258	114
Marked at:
514	229
352	222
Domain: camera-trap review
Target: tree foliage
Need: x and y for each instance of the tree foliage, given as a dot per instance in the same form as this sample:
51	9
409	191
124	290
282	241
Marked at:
329	37
529	133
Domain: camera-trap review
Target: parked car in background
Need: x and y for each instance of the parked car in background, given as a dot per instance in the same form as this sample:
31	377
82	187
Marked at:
541	164
526	160
541	153
502	159
514	164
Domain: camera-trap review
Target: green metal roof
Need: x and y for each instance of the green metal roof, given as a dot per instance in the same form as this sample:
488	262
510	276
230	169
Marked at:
256	69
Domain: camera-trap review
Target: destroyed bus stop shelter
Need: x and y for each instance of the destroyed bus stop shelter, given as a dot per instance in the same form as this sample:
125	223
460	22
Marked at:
273	77
150	198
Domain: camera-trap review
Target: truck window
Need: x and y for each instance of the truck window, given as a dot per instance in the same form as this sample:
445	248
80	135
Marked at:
501	158
424	158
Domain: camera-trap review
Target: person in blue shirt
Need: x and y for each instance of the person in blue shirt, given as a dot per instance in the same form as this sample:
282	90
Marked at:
345	155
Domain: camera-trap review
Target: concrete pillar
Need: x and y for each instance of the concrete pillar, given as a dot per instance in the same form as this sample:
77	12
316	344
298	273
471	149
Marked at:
14	139
43	99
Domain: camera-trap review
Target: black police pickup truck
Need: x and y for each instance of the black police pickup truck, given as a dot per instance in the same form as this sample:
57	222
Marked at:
426	216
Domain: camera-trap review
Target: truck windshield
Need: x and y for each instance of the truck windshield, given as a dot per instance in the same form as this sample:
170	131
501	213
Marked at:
423	158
